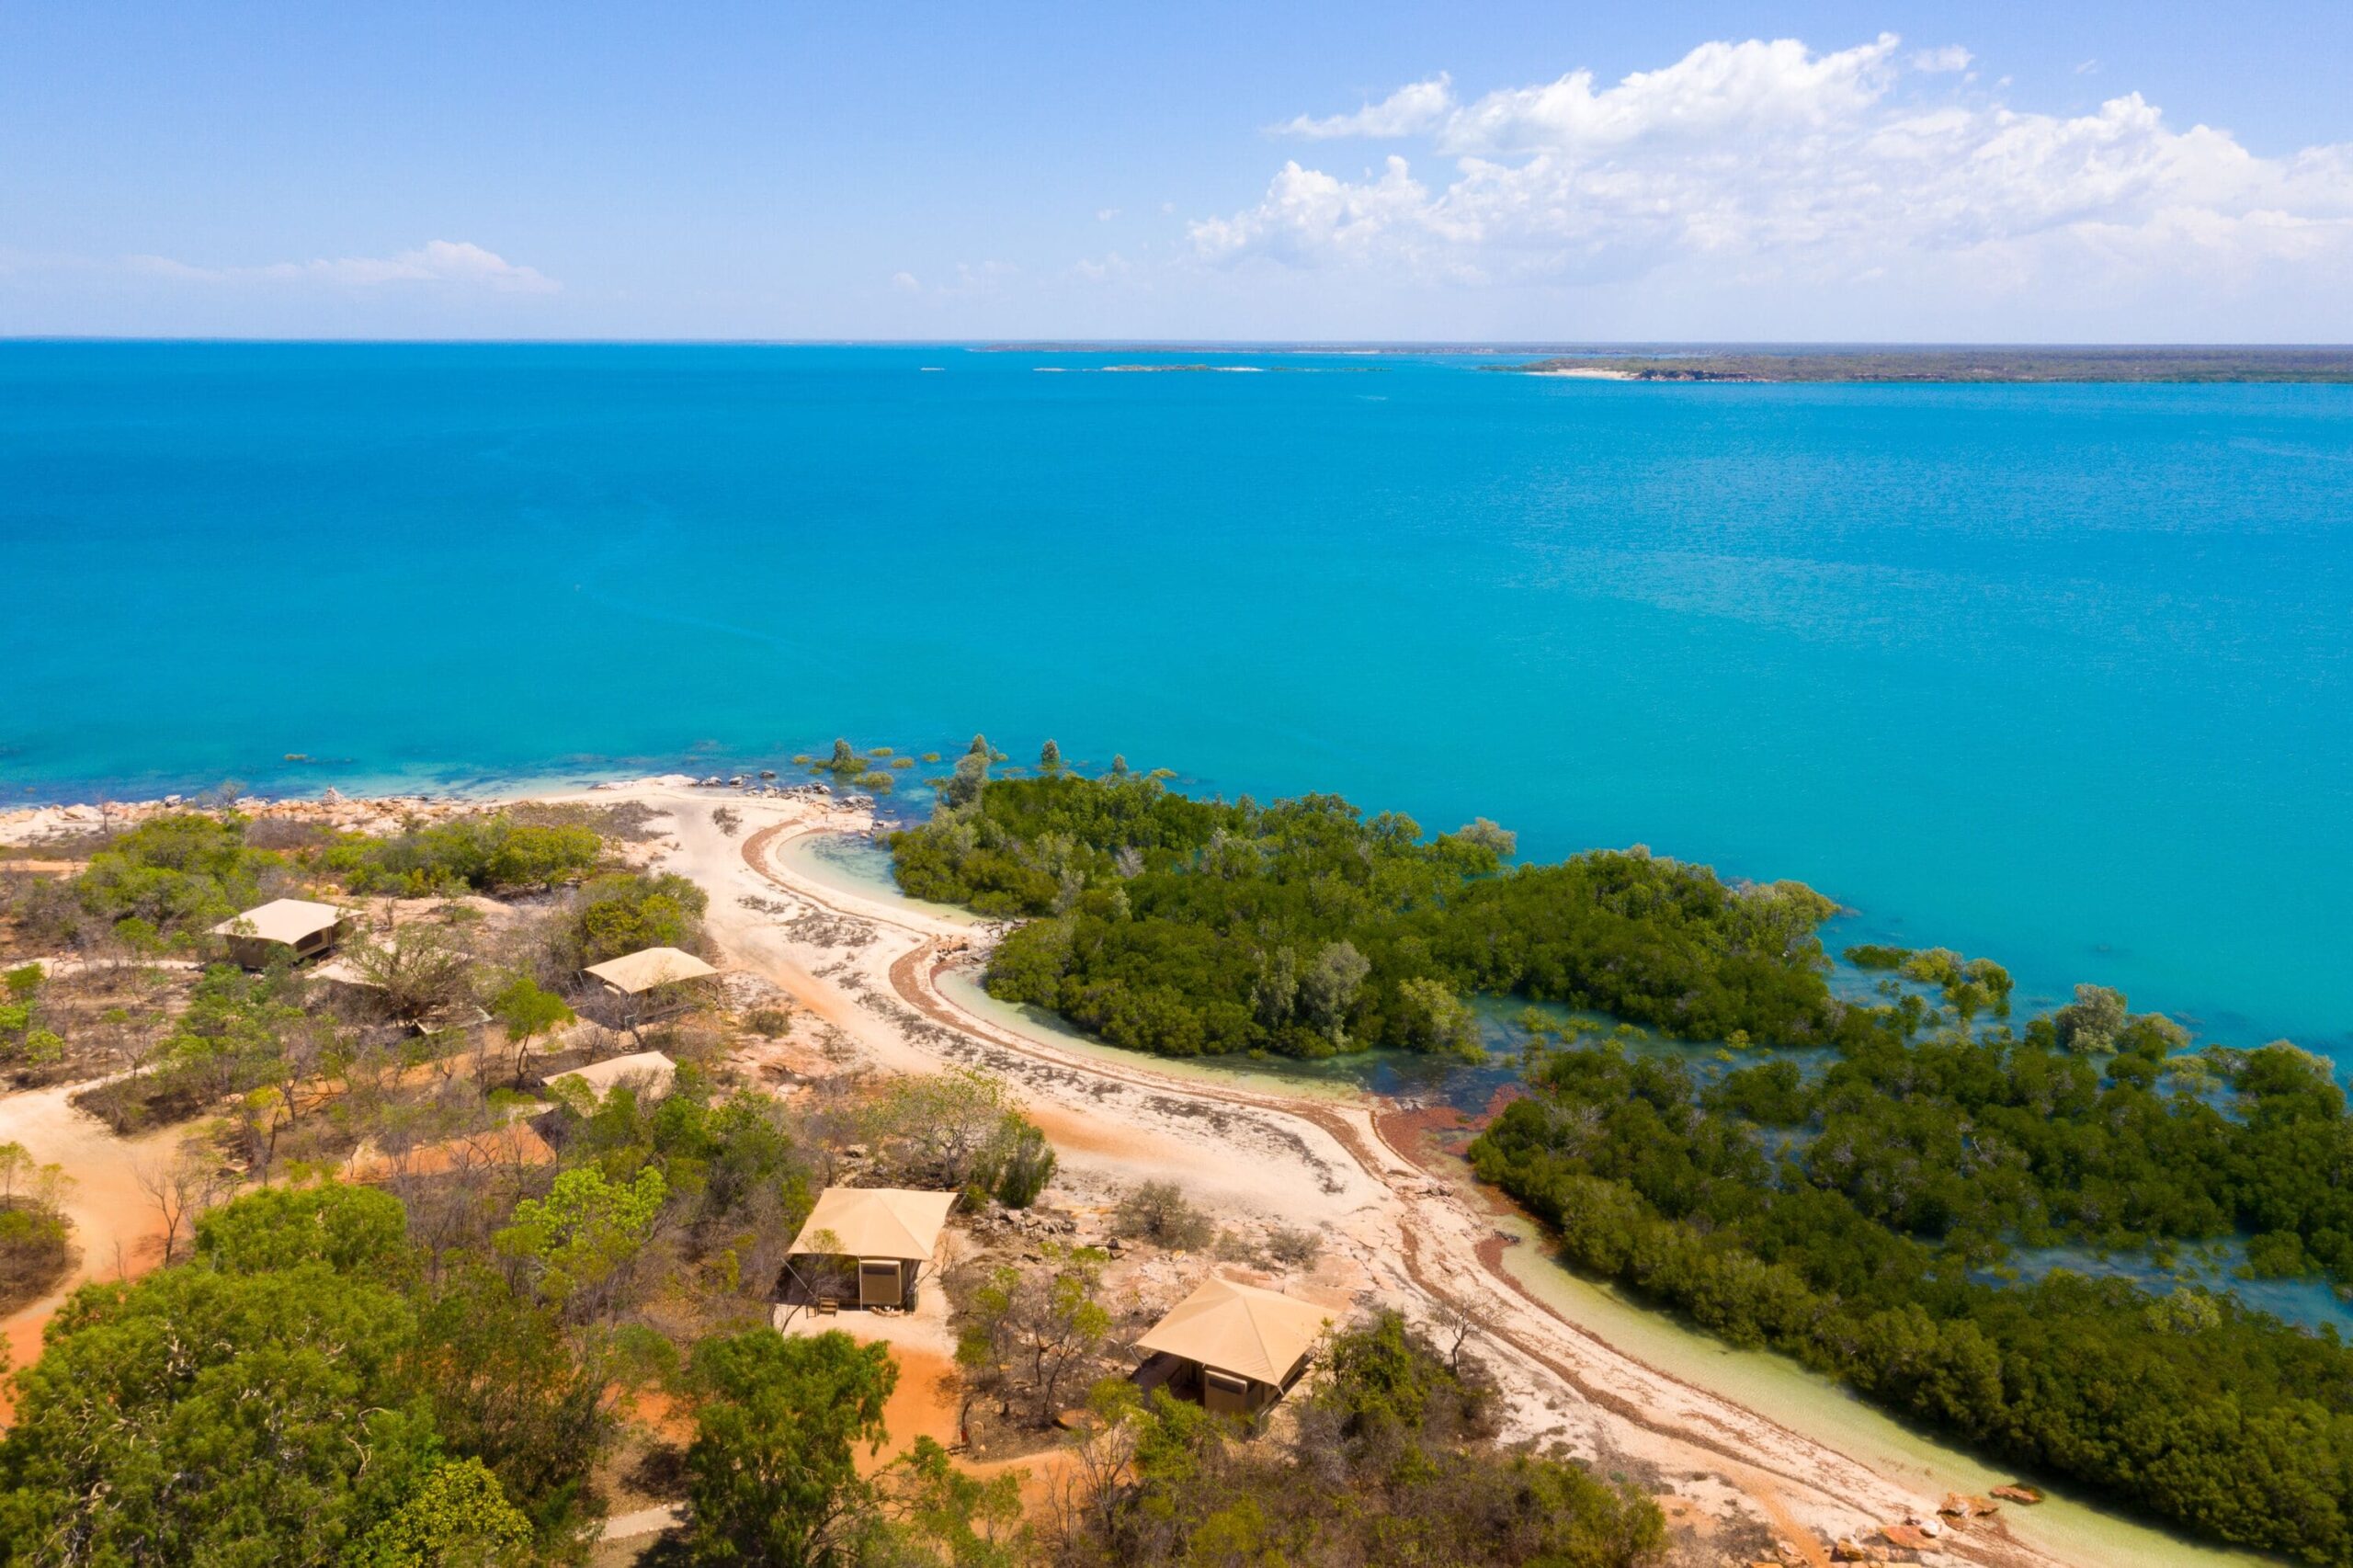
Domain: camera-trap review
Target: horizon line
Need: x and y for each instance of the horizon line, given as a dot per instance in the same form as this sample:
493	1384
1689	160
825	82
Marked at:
1237	344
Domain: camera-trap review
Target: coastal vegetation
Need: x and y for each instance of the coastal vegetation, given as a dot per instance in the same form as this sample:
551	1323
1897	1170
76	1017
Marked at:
1304	928
1868	1199
1863	1218
156	887
460	1345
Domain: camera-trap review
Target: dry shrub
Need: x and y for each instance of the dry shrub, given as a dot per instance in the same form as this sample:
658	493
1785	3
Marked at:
1157	1211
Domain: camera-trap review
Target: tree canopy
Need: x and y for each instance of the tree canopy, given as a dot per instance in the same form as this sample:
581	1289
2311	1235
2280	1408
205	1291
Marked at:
1858	1217
772	1472
1201	927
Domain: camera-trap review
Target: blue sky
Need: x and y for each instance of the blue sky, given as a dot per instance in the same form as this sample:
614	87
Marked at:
2151	171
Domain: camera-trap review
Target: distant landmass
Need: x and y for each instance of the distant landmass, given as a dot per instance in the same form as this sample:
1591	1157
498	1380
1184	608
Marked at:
1991	364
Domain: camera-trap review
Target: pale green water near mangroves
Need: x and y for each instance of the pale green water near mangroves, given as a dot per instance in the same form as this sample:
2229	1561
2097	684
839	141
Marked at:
2060	675
857	865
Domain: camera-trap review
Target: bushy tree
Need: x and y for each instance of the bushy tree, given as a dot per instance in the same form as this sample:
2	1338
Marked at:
217	1415
772	1477
1501	842
36	1236
476	854
457	1518
177	874
526	1013
958	1130
624	914
356	1231
1432	1019
577	1243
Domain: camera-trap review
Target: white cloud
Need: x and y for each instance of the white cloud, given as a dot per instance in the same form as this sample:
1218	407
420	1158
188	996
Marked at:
1105	214
1408	111
1759	163
452	262
907	283
2087	68
1716	92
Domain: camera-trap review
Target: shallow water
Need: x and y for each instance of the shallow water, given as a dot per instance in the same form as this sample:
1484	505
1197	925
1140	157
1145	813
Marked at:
2310	1303
852	863
2057	674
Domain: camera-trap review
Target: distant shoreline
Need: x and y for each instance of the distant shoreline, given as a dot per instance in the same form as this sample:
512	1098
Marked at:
1964	366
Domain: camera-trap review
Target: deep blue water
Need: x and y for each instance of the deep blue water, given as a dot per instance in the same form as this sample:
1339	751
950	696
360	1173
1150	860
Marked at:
2054	674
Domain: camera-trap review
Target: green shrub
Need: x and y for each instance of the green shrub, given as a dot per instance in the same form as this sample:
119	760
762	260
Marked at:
472	854
626	912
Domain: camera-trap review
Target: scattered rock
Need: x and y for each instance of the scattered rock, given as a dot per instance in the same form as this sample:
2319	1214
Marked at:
2013	1492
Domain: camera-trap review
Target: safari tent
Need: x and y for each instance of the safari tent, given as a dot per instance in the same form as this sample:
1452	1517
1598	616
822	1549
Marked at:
283	928
1235	1347
649	969
650	1072
888	1233
639	987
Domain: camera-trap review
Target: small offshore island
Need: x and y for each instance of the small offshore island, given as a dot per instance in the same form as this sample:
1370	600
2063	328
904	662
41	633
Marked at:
507	1215
1994	365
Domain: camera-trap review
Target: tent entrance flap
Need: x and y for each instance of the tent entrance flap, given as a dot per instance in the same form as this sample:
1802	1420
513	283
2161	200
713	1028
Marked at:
882	1282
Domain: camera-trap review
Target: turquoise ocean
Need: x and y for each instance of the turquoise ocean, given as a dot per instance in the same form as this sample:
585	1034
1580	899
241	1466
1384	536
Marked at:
2054	674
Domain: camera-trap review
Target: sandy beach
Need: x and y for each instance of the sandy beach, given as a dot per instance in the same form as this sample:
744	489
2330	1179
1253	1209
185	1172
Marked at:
890	981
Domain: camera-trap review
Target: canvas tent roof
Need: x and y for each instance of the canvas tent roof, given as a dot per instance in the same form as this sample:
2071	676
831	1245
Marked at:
1240	1329
642	970
877	1221
285	920
602	1075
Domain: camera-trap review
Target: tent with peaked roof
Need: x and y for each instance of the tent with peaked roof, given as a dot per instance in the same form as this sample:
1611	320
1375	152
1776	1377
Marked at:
652	983
891	1232
649	1072
1249	1345
649	969
284	926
